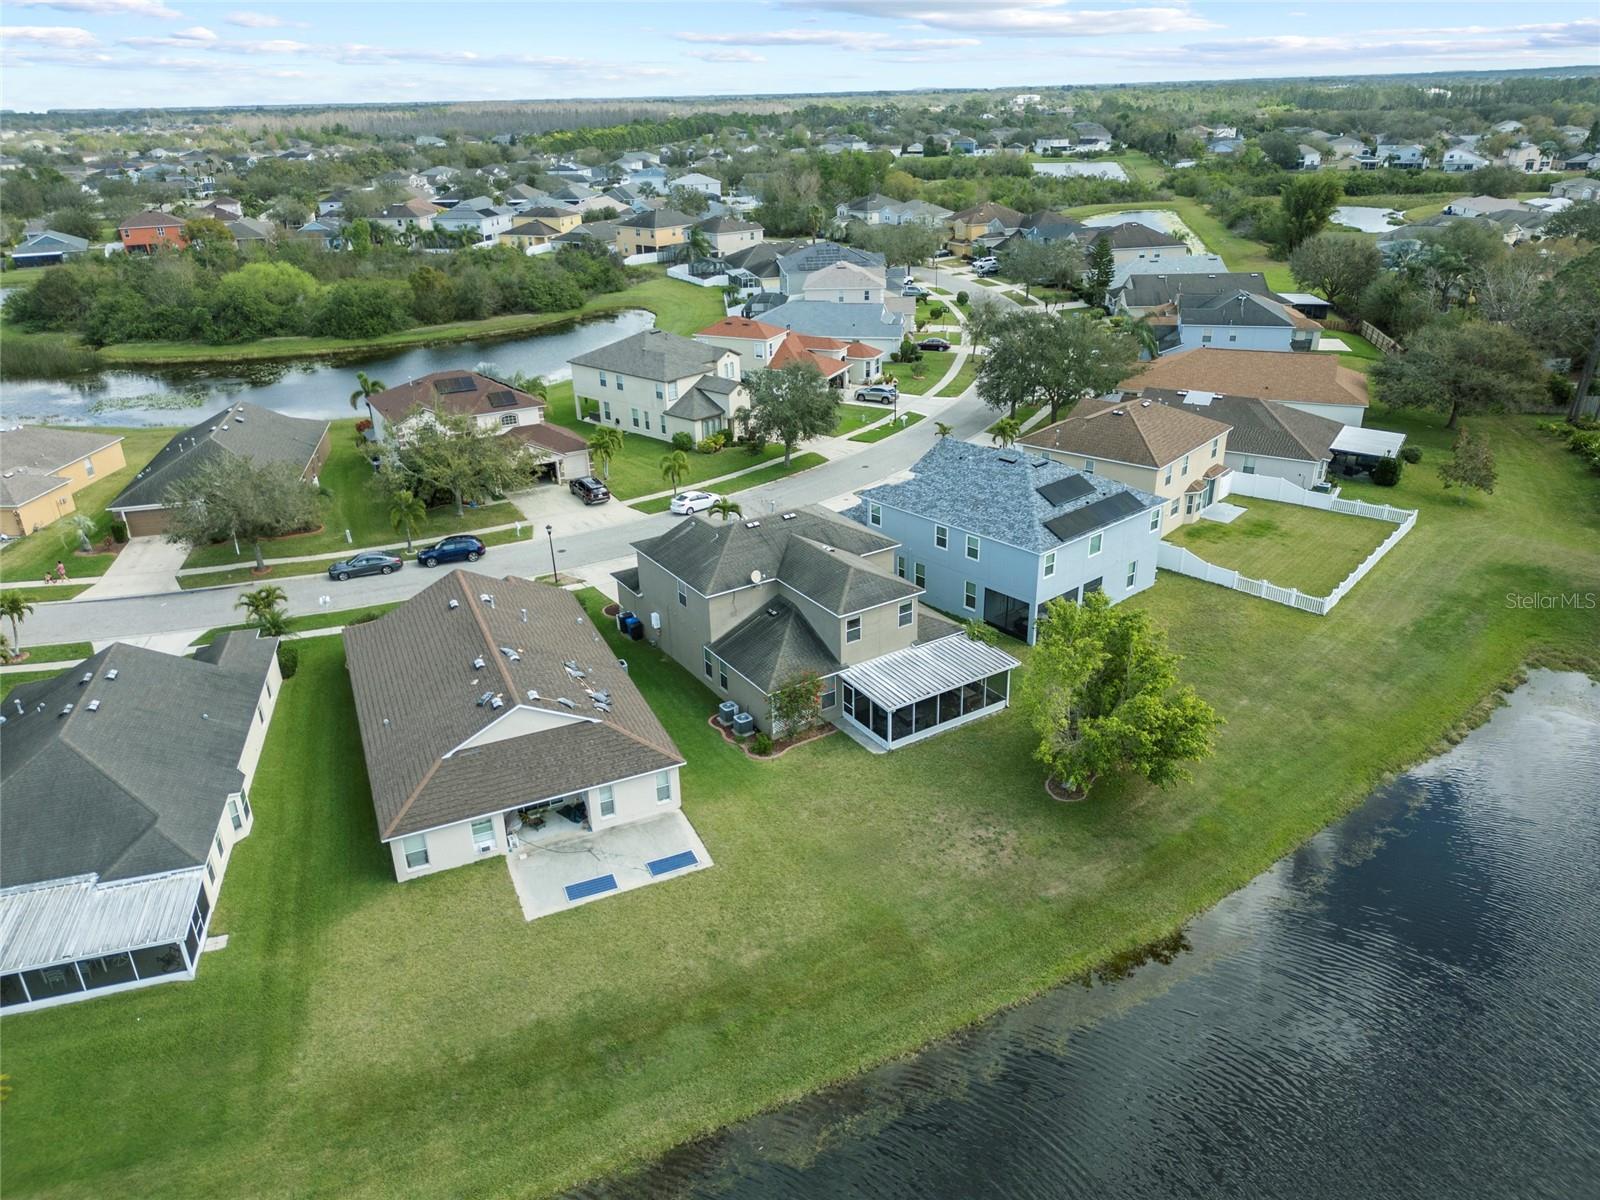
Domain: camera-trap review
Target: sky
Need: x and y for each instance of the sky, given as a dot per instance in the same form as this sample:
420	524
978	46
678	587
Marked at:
123	53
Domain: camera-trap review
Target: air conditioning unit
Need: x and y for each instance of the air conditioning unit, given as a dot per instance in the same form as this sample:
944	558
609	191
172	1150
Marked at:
743	725
726	711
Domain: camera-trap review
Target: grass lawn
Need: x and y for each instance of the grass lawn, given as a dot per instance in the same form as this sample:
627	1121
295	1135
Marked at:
931	368
1288	545
372	1039
59	652
856	416
42	594
311	621
1362	353
355	505
801	462
21	276
963	378
907	419
26	560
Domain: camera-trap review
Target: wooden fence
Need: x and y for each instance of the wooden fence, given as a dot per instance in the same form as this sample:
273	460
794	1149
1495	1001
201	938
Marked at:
1379	338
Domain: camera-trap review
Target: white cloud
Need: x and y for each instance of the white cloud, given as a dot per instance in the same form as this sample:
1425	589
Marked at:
842	39
104	8
727	56
256	20
1024	18
56	37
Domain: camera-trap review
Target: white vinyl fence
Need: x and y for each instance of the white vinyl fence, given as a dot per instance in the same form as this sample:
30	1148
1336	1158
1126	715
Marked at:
1267	487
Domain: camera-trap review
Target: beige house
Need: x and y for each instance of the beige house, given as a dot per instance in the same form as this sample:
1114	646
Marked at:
652	231
42	468
657	384
842	283
1172	453
729	235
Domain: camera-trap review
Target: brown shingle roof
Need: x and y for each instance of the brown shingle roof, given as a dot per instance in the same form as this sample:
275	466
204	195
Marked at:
551	437
1268	374
1144	436
417	689
452	391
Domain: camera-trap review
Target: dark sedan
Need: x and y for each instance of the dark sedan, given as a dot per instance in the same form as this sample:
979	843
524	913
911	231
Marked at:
373	562
461	548
933	343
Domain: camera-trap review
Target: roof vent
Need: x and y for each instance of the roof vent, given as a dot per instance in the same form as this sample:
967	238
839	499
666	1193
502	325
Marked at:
752	524
573	670
1144	404
485	698
498	702
487	599
93	706
66	710
20	710
111	674
455	604
238	417
87	675
533	693
1117	412
564	702
510	654
478	663
772	612
788	516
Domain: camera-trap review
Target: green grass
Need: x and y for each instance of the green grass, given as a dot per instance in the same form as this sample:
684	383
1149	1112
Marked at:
22	276
374	1040
58	652
353	504
931	368
1024	413
26	560
11	679
801	462
908	419
1239	253
856	416
1287	545
41	594
304	624
1362	353
963	378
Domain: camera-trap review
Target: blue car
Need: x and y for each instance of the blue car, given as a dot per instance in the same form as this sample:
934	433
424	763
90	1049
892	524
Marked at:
461	548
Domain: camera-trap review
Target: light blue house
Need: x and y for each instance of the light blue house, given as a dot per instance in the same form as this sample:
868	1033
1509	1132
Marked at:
1241	320
995	533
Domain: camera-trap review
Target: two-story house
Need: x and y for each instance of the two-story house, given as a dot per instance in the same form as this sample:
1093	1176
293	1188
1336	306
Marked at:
753	606
558	454
151	230
1177	456
970	231
995	534
652	232
657	384
729	235
761	344
479	216
797	265
1314	383
1264	437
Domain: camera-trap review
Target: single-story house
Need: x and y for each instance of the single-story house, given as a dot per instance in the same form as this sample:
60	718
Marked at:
1242	320
997	533
1133	242
410	214
657	384
1577	189
47	248
243	430
1143	292
1315	383
43	467
127	785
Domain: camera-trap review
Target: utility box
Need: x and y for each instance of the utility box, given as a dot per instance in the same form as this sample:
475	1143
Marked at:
726	711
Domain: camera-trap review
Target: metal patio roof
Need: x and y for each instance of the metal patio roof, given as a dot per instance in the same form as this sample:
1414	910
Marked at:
927	669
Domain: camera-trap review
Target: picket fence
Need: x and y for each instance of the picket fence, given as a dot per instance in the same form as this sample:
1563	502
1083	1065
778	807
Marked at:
1267	487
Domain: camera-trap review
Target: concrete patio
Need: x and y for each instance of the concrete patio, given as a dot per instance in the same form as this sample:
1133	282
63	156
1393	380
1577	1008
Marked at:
542	871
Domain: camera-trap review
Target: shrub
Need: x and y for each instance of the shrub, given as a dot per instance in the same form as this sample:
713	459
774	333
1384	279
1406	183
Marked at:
1412	454
1562	389
363	618
119	532
683	441
963	299
288	659
709	445
1386	472
762	743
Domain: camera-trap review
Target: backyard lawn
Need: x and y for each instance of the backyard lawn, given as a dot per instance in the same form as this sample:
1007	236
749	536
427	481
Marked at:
363	1038
917	378
1287	545
1239	253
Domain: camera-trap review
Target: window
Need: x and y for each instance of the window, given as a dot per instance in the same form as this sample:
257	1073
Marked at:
1133	571
852	629
602	379
941	537
1094	544
1248	466
866	297
647	420
1185	466
830	693
1233	337
88	467
1155	519
905	612
607	800
1215	442
508	419
1049	564
234	815
919	575
972	546
211	872
483	835
663	786
1088	465
874	513
1168	479
683	595
635	414
221	853
605	409
672	391
415	848
969	597
1174	508
1205	339
660	391
900	565
1092	586
619	383
722	675
706	655
261	717
761	349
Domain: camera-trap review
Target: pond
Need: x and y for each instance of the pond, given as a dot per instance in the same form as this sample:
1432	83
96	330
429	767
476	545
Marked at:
1082	170
1161	220
1406	1006
1366	219
300	387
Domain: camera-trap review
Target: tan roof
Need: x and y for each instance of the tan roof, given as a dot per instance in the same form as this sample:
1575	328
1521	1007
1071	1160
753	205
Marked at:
1142	435
1267	374
452	391
417	690
551	437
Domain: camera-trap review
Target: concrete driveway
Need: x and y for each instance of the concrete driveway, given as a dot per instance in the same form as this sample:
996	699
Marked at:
147	565
554	505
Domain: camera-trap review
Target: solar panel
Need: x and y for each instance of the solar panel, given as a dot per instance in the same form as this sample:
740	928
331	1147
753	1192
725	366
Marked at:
591	887
1065	489
502	399
1092	516
454	384
673	862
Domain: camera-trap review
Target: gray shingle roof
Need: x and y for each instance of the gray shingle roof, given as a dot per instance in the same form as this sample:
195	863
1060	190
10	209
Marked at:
653	354
849	322
813	256
841	583
1241	309
1259	426
1132	235
695	405
262	436
417	690
1137	434
658	218
1148	289
991	492
136	786
773	645
46	449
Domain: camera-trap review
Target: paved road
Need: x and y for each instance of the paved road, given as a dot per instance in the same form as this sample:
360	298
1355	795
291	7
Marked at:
131	616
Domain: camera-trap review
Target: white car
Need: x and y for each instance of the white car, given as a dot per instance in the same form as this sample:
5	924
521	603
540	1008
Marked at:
685	503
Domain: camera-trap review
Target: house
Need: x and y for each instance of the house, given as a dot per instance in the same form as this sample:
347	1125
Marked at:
1346	146
593	233
800	262
753	606
428	141
247	231
1408	157
1582	161
413	214
127	785
437	177
47	248
1462	158
223	208
325	233
1177	457
527	235
1481	206
1241	320
1314	383
657	384
963	145
841	282
995	534
757	266
704	184
652	232
1190	265
760	344
42	468
839	145
965	229
728	235
1133	242
1506	127
1265	437
152	230
242	431
1527	158
1309	158
1048	226
478	216
495	721
870	323
873	209
1225	145
1577	189
1090	137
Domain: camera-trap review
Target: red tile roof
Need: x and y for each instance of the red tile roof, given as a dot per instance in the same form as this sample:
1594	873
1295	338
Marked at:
741	327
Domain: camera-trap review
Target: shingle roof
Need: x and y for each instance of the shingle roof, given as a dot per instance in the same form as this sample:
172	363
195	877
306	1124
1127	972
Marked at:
653	354
695	405
46	449
727	224
245	430
417	692
773	645
548	436
982	214
19	486
1132	235
1258	426
1269	374
1151	289
1143	436
137	785
452	391
657	218
847	322
741	327
991	492
1241	309
814	256
841	583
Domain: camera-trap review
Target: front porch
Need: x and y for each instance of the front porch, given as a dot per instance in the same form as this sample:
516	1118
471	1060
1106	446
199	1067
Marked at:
925	689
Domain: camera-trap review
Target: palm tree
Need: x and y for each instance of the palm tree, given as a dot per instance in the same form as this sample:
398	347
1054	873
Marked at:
406	514
14	607
726	509
1145	334
5	648
605	444
82	526
1006	431
942	429
674	467
369	387
265	608
699	244
534	385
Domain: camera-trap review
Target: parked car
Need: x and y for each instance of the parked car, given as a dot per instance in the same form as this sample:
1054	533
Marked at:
988	268
987	263
589	489
879	393
933	343
463	547
685	503
912	288
372	562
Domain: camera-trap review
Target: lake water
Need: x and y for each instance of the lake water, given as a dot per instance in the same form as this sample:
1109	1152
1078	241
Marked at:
1408	1006
303	387
1082	170
1367	219
1157	219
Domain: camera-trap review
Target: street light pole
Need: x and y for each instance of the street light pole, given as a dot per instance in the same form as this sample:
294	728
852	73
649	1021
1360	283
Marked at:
550	534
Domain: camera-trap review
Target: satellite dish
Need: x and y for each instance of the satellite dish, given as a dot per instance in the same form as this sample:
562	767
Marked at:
755	576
